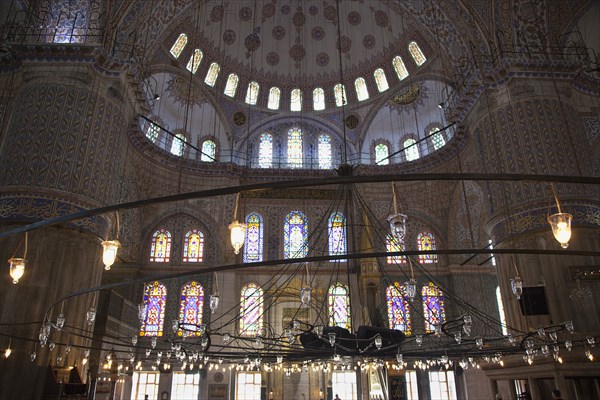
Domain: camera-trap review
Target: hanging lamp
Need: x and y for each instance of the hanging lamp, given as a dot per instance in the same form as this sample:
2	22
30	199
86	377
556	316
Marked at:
237	229
560	222
110	248
16	265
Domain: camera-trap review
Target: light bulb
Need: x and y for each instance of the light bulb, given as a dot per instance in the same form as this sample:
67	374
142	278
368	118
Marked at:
7	352
16	268
109	253
561	227
238	235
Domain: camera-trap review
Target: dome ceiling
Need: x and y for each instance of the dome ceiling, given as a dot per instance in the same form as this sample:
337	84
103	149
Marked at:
291	42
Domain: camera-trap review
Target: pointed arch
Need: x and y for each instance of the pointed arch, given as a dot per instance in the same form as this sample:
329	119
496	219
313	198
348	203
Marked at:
426	242
381	80
155	299
231	85
190	309
382	153
318	99
193	246
209	151
433	307
252	93
416	53
338	301
253	246
212	74
362	92
400	68
251	310
295	235
296	100
274	98
398	308
337	234
160	249
179	45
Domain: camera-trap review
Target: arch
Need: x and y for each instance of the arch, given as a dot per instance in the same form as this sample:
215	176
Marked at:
362	92
338	302
212	74
411	149
295	235
437	138
209	151
337	234
265	151
426	242
296	100
253	245
155	299
178	145
324	151
194	61
339	93
160	249
381	153
179	45
251	310
318	99
252	93
294	148
416	53
190	309
193	246
274	98
392	244
398	308
400	68
231	85
433	307
381	80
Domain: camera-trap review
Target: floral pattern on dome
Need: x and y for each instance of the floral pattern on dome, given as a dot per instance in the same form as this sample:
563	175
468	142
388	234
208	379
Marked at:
252	42
313	10
344	44
229	37
330	13
369	41
317	33
381	18
272	59
322	59
178	90
245	13
299	18
268	11
285	9
297	52
216	14
278	32
354	18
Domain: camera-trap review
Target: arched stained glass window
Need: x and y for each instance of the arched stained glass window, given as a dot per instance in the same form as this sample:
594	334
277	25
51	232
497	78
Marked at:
274	98
433	307
400	68
160	250
231	85
437	138
426	242
318	99
337	234
212	74
392	244
296	100
398	308
179	45
381	80
294	148
152	132
193	246
155	299
209	150
338	301
362	93
411	149
295	235
252	93
251	310
253	246
194	61
265	151
324	152
178	144
381	154
190	309
339	92
416	53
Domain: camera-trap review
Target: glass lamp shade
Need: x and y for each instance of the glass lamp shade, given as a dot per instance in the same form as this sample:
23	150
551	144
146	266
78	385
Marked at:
411	288
109	254
17	268
516	285
238	235
561	227
398	225
214	302
305	296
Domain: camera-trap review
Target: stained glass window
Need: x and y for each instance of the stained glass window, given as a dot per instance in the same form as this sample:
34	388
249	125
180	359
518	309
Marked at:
209	149
318	99
190	309
155	299
411	149
152	132
296	100
193	246
294	148
381	80
433	307
338	301
426	242
231	85
253	246
400	68
393	244
381	154
274	97
194	61
337	234
437	138
251	310
398	308
265	151
339	92
295	235
178	144
324	151
416	53
252	93
212	74
160	251
179	44
361	89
